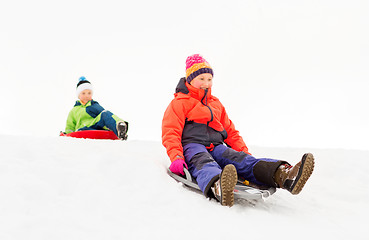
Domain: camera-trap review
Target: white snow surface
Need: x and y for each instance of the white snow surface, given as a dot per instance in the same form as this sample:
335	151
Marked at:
67	188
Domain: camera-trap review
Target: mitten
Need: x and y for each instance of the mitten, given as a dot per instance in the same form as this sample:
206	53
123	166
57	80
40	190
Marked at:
177	166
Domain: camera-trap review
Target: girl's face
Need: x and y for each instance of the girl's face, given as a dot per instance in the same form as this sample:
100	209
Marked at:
85	96
203	81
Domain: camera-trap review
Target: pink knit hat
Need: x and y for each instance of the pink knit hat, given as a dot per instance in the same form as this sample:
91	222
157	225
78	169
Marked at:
196	65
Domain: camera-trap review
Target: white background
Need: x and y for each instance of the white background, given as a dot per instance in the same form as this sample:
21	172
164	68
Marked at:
290	73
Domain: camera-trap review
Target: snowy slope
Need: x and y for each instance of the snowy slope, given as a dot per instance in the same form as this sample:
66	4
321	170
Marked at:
65	188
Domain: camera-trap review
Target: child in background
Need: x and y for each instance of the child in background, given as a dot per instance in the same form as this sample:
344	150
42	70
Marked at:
199	136
87	114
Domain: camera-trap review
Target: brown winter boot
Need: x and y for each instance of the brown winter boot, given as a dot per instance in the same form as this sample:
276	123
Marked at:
293	178
224	187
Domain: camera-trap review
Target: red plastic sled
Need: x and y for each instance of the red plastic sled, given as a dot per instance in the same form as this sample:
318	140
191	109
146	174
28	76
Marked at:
92	134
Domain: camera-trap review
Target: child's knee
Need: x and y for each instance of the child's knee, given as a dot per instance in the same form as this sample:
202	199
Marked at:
192	149
106	113
201	159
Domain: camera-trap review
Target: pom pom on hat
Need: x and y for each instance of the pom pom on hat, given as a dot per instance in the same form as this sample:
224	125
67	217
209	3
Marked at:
196	65
83	84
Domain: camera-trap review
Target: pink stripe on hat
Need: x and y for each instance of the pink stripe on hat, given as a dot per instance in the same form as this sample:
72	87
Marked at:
191	60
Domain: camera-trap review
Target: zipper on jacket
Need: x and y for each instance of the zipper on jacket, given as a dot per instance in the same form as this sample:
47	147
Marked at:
206	104
205	98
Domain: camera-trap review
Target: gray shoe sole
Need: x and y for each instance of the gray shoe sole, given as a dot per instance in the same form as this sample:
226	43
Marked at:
304	174
228	180
122	130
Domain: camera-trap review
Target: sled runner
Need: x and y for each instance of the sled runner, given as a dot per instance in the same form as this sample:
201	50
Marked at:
92	134
241	190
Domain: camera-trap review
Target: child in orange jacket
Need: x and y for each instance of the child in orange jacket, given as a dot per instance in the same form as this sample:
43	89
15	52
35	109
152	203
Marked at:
198	135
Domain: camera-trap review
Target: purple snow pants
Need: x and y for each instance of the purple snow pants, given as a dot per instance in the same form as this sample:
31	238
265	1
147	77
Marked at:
205	165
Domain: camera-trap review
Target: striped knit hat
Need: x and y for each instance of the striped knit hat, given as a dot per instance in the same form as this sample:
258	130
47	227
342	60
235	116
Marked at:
83	84
196	65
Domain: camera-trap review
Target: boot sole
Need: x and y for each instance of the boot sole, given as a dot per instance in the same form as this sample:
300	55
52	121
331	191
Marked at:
228	180
306	169
121	129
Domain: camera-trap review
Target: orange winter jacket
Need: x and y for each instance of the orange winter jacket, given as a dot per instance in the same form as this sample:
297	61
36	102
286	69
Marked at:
195	116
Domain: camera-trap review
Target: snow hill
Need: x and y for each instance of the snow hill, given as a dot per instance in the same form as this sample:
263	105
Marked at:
65	188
